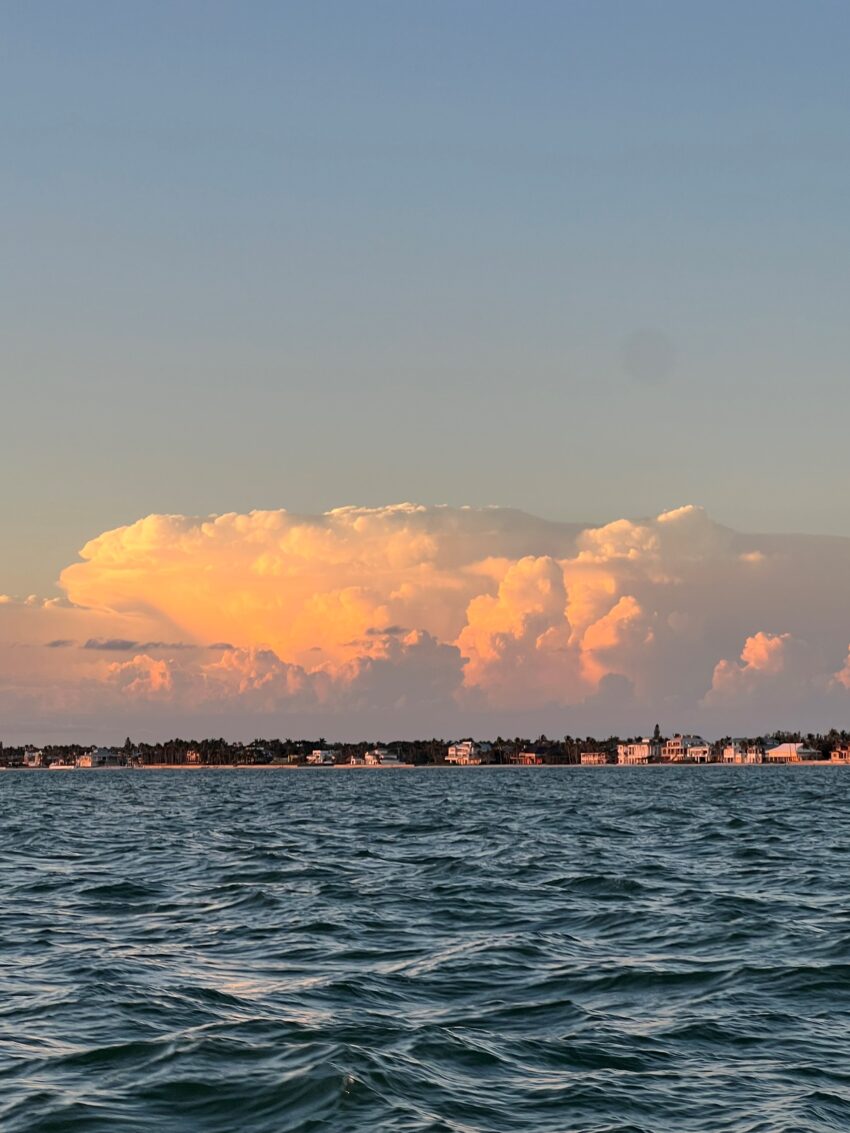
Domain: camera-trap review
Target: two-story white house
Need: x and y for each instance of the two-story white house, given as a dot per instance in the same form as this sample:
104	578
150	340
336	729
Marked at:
638	752
467	752
740	752
686	749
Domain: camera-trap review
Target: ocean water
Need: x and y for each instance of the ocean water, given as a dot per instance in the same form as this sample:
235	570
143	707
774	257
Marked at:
647	950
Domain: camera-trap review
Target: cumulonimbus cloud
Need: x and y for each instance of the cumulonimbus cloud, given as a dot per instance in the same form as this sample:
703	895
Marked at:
449	610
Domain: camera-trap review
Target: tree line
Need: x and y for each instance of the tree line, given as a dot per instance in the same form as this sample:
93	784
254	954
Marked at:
219	752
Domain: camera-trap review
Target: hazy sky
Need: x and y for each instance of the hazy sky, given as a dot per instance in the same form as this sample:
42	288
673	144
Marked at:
590	259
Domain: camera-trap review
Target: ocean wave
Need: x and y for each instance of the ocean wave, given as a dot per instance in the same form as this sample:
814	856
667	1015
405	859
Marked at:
490	953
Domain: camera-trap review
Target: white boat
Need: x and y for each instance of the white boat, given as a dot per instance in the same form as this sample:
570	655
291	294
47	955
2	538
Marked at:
57	765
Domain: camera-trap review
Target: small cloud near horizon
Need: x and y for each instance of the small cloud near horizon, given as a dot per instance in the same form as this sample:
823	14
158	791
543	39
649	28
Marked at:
124	645
111	644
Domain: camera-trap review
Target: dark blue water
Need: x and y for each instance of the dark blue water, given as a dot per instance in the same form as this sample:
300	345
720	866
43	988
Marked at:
648	949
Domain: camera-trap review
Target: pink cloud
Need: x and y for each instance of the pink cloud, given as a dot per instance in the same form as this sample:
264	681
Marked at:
464	610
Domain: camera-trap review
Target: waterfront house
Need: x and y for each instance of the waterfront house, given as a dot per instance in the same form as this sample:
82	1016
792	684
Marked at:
320	757
638	752
467	752
686	749
256	753
840	755
380	757
701	753
738	751
593	758
102	757
790	753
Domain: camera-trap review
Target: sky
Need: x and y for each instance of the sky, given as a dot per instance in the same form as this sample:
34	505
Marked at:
582	261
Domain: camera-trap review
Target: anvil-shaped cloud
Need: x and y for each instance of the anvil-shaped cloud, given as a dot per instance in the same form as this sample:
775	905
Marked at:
410	618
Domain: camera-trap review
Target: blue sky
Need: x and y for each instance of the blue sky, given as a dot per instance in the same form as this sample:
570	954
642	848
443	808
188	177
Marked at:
586	259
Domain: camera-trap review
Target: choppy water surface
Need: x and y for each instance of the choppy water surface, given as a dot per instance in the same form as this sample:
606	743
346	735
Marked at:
649	949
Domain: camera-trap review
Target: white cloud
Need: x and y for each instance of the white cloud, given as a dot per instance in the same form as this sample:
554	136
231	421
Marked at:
460	610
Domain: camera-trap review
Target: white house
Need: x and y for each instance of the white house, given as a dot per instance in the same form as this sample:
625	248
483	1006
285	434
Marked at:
789	753
466	752
530	758
320	757
700	753
686	749
642	751
102	757
593	758
739	752
380	757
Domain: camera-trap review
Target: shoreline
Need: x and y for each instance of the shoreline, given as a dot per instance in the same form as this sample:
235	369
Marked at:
431	766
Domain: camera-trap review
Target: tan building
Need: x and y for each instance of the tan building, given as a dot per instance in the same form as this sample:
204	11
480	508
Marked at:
641	751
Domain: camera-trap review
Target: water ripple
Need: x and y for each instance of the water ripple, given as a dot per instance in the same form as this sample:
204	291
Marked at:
496	951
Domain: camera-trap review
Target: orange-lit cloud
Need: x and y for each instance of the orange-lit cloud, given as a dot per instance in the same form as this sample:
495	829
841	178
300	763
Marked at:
765	658
431	613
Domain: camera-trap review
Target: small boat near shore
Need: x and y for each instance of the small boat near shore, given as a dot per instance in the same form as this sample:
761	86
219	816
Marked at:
57	765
